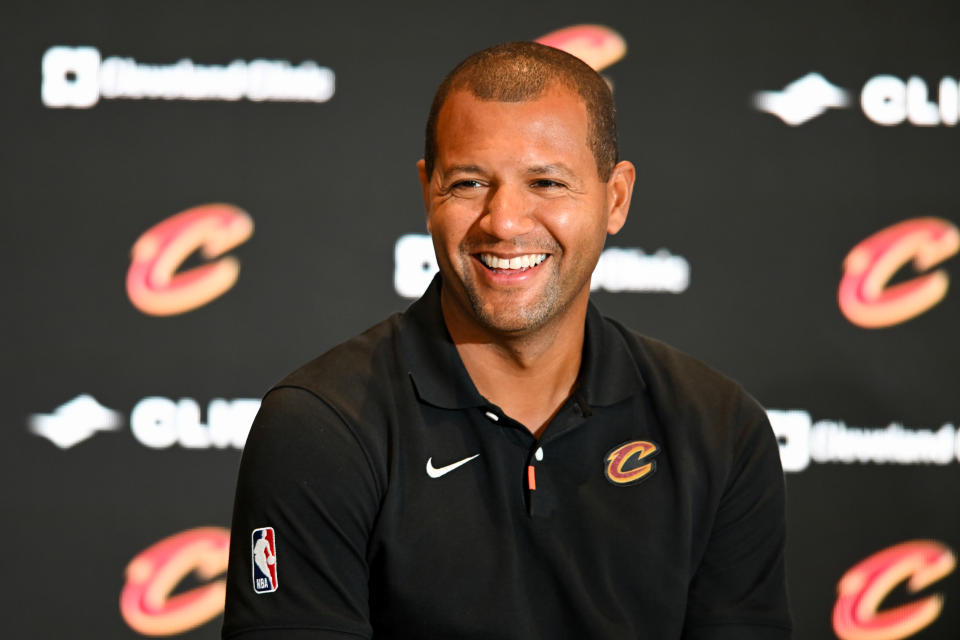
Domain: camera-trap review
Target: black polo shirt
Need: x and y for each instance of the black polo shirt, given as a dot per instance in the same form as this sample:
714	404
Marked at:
405	505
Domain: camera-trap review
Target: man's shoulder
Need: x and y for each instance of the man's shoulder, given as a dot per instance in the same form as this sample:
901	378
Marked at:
678	381
349	369
702	409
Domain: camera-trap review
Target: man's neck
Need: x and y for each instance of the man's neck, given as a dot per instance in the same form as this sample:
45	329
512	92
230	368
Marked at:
528	375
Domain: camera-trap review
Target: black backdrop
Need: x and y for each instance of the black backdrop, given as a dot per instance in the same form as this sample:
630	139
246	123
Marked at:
762	214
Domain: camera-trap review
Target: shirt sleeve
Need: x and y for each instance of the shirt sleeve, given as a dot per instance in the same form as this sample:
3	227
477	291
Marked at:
739	589
304	474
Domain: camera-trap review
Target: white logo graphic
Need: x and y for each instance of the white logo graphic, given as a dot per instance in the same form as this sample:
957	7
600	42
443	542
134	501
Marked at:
160	422
77	77
619	269
434	472
74	421
803	441
70	77
155	422
627	269
802	99
415	264
886	100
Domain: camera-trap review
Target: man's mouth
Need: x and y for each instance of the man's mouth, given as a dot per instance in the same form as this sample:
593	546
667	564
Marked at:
516	263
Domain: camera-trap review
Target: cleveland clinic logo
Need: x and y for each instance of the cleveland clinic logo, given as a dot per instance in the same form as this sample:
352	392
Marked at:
79	77
885	99
156	422
803	440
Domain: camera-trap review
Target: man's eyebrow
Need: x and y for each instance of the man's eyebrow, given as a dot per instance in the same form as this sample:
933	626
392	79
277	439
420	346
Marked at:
550	169
460	168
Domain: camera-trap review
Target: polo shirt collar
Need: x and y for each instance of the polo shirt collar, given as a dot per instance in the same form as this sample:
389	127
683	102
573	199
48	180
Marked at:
608	371
434	363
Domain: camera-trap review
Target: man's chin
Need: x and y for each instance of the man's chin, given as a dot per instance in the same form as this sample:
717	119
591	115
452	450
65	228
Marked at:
511	319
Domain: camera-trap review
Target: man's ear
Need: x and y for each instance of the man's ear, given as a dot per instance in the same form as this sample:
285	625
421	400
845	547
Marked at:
619	191
425	185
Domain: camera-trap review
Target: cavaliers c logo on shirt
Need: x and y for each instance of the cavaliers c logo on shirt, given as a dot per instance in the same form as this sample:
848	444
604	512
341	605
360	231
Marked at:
631	462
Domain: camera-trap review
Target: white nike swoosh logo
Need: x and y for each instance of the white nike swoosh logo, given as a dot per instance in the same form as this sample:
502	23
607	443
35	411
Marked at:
434	472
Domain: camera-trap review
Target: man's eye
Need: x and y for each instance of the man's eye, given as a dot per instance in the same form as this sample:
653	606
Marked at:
547	184
466	184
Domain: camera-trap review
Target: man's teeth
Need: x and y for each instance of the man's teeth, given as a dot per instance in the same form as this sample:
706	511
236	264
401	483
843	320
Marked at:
518	262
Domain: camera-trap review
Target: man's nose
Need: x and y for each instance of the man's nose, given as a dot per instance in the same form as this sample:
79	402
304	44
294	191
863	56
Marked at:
509	212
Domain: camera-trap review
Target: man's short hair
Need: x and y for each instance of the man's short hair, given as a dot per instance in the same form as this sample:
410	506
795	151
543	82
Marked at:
521	71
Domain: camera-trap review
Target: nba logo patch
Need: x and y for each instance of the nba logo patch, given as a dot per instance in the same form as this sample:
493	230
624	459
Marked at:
264	547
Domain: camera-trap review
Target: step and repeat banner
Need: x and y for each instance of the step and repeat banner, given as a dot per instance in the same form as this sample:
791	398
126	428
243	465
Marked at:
198	198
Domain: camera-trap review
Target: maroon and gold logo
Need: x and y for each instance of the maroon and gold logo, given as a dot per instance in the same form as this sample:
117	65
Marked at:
155	283
866	296
595	44
153	601
631	462
858	615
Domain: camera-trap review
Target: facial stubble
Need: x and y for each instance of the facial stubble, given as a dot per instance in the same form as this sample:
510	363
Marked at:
520	318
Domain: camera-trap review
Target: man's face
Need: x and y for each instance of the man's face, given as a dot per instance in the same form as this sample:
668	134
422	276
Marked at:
517	210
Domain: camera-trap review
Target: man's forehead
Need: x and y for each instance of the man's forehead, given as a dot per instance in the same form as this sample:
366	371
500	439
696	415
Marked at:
546	136
464	115
555	92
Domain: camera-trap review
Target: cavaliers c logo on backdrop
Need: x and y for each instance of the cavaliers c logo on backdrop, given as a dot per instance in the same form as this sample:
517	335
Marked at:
154	600
866	296
631	462
595	44
155	283
908	567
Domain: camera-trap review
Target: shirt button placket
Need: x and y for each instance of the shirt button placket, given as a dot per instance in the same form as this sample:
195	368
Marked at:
534	501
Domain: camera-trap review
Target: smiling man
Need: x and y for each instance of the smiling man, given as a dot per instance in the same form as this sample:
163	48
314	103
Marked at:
501	461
